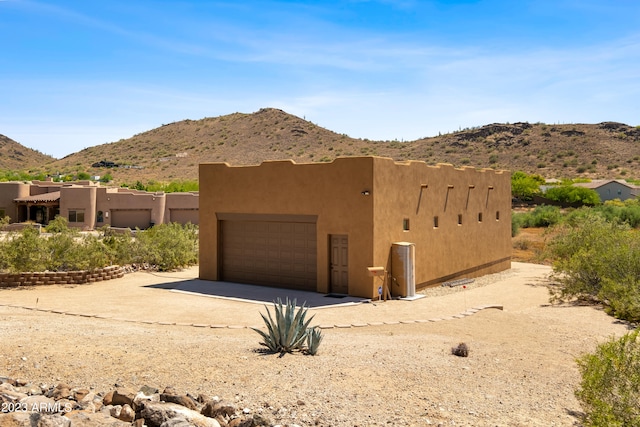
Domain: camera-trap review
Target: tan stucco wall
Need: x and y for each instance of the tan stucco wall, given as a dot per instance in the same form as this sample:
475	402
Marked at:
79	199
331	191
91	198
334	193
9	191
109	199
182	205
419	193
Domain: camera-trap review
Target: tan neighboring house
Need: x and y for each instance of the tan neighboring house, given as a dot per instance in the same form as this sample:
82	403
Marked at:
331	227
87	205
611	189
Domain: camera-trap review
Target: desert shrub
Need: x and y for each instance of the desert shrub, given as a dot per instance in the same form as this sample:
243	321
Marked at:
25	251
58	225
627	211
516	223
596	259
288	329
541	216
165	247
168	246
121	248
610	388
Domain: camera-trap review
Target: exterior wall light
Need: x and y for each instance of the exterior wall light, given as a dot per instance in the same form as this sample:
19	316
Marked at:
365	193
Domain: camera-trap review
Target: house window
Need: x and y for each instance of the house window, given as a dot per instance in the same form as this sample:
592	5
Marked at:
3	213
405	224
497	215
100	217
76	216
479	216
435	222
459	219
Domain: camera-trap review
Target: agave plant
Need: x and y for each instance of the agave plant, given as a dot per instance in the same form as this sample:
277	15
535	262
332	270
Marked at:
314	338
287	329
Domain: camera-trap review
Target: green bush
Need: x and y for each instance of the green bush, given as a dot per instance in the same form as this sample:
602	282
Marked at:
165	247
595	259
24	251
516	223
541	216
168	246
572	194
525	186
610	388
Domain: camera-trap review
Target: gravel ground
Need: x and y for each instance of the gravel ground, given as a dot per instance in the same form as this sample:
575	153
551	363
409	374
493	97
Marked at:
520	371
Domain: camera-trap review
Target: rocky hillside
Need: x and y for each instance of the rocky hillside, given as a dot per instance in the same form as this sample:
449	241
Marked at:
173	151
14	156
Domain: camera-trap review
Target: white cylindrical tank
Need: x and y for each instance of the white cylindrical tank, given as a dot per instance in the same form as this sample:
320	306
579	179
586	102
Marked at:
403	271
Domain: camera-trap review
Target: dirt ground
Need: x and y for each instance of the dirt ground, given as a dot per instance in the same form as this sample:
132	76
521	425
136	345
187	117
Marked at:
386	363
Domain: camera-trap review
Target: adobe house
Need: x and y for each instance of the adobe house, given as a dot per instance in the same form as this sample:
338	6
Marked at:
87	205
320	226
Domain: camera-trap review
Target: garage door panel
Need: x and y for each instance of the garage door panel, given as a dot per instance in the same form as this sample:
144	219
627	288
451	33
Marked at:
131	218
269	253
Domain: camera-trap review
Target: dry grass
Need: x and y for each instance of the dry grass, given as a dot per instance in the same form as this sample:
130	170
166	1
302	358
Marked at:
528	245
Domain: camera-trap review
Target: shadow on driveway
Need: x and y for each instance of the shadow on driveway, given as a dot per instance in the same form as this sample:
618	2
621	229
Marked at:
257	294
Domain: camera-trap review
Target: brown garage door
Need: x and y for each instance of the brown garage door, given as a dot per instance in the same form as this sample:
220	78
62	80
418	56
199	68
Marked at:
272	253
132	218
184	216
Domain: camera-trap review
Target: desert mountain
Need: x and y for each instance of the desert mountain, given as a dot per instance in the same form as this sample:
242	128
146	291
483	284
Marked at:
173	151
14	156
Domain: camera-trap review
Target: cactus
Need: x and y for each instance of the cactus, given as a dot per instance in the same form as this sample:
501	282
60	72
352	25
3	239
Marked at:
314	338
287	329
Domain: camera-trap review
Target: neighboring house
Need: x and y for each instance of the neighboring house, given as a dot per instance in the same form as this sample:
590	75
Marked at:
320	226
610	189
87	205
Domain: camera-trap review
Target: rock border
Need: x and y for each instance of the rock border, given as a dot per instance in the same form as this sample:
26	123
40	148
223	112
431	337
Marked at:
43	278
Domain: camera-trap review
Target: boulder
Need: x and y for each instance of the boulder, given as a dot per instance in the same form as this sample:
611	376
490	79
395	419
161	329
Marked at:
123	396
212	409
41	404
127	414
156	413
183	400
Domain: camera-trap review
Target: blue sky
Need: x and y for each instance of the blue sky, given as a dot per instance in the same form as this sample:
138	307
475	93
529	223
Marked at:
75	74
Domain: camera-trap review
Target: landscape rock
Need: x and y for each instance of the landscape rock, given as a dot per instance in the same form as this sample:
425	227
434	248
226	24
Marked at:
147	390
41	404
176	422
123	396
183	400
108	398
61	391
80	394
156	413
98	419
241	422
26	419
212	409
127	414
